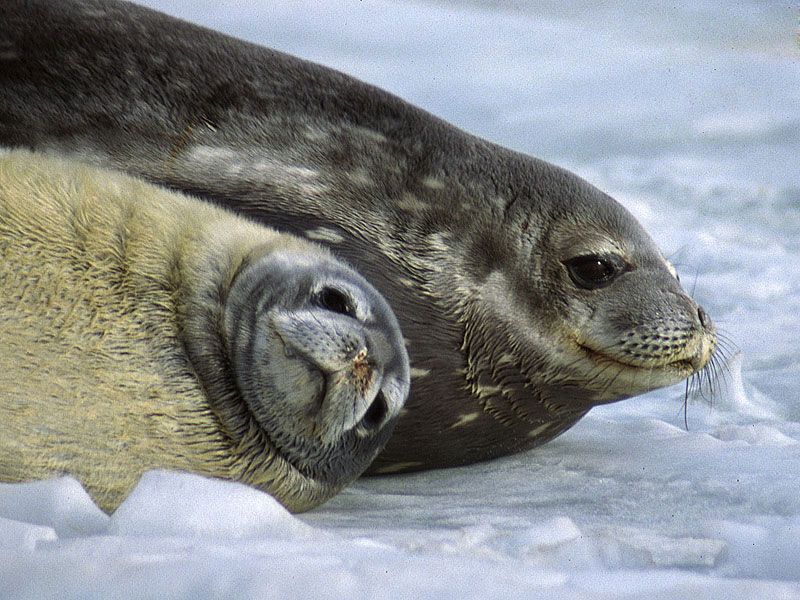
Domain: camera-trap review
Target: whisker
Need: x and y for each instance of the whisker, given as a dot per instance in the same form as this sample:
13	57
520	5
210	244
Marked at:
712	379
686	405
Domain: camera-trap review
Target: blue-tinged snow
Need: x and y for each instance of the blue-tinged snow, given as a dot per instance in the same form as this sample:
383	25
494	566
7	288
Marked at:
689	114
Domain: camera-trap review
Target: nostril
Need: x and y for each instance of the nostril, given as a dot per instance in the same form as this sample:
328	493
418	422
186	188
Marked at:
376	413
703	316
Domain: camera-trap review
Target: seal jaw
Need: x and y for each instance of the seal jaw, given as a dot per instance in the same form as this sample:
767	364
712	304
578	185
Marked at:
629	379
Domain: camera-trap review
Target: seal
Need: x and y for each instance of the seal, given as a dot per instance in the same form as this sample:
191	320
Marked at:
526	295
142	329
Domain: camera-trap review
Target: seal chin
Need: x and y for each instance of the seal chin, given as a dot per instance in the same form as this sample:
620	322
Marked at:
684	365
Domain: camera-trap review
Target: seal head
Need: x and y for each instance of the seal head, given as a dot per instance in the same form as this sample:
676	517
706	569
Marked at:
585	307
301	355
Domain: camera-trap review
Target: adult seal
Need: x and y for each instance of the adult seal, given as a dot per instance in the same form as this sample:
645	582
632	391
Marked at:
526	295
142	329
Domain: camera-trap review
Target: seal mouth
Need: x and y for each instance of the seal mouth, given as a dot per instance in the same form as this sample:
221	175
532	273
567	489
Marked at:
682	366
690	365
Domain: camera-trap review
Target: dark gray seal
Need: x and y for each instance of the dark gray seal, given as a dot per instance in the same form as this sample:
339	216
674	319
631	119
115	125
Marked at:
143	329
526	295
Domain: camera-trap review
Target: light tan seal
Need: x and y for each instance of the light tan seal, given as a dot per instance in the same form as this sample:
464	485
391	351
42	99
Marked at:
141	329
526	295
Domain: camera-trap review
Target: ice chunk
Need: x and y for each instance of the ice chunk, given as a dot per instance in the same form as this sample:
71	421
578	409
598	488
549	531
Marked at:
754	434
638	548
60	503
557	543
168	503
738	395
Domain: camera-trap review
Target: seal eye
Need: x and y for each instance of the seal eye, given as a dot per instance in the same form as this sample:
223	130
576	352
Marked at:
335	301
592	271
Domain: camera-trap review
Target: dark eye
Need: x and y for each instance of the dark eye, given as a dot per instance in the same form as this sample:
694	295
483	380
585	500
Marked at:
335	301
592	271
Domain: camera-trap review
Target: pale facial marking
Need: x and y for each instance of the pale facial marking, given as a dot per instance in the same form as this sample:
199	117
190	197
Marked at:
433	183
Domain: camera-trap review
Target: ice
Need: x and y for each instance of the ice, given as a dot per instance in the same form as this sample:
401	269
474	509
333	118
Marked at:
175	504
640	549
16	536
61	504
688	113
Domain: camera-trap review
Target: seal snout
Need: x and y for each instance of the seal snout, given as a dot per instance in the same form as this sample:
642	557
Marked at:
701	348
356	398
705	344
342	352
362	367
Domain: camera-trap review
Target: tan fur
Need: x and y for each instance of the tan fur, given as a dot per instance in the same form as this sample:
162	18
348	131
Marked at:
93	378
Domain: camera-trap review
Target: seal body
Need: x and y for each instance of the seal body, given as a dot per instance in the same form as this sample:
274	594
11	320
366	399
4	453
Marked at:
142	329
526	296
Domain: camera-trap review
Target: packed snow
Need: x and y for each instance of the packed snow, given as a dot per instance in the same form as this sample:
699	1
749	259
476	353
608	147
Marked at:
688	113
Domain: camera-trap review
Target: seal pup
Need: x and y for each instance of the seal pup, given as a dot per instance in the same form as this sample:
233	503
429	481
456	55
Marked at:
140	328
526	295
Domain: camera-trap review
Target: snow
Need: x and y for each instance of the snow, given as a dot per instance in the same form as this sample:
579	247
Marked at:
689	114
181	504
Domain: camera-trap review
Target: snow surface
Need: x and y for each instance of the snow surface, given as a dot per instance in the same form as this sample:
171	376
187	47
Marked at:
689	113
